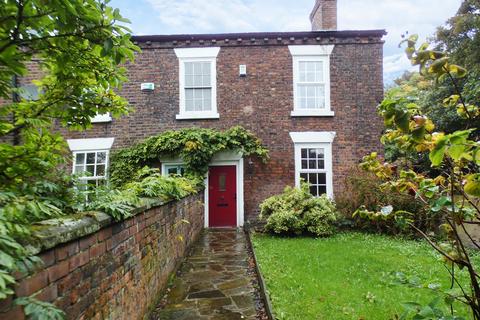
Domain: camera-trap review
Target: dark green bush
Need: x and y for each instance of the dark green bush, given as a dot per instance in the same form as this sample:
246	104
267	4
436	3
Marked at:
296	211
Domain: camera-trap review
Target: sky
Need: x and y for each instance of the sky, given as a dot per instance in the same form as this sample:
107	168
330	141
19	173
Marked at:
221	16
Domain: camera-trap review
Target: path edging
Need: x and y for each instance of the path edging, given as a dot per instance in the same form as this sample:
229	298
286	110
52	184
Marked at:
261	281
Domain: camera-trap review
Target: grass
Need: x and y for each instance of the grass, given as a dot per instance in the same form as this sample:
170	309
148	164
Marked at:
348	276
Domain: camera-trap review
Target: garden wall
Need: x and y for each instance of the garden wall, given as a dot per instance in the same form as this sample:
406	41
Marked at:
101	269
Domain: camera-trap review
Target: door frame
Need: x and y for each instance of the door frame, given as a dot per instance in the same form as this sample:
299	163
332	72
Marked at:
228	159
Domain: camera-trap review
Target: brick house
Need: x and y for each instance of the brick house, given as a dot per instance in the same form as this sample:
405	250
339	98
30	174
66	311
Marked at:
310	96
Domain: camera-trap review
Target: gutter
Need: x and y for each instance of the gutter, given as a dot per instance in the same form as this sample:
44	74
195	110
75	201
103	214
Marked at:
261	35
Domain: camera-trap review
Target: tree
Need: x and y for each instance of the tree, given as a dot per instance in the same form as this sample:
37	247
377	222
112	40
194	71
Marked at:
460	39
79	47
454	192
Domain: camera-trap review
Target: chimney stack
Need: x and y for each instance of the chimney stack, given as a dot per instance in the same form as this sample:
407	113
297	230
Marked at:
324	15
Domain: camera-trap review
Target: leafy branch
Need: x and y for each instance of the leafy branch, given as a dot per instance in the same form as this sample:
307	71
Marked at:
454	193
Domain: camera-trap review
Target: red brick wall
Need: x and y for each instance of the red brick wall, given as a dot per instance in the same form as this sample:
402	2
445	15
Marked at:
119	271
261	102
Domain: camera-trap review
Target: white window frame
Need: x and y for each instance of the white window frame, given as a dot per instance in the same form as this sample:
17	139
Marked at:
89	146
95	178
185	55
170	164
320	53
314	140
101	118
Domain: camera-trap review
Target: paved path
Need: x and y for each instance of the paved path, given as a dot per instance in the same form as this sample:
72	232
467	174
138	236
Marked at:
213	282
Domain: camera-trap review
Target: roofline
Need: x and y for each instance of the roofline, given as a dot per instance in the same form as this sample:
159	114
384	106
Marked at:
249	35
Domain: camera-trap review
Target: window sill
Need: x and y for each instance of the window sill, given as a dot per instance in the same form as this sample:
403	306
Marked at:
101	118
312	113
197	116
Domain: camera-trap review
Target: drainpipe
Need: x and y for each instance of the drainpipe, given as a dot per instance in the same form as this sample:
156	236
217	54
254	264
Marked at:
15	99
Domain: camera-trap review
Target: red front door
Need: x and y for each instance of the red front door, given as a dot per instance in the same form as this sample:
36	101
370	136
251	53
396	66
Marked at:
222	196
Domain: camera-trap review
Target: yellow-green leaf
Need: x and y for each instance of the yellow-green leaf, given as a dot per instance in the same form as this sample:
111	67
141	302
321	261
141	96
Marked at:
472	187
438	153
458	71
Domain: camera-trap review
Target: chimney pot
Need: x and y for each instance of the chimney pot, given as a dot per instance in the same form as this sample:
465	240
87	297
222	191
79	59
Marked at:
324	15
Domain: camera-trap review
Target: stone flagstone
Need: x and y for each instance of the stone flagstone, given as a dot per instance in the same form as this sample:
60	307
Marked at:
213	282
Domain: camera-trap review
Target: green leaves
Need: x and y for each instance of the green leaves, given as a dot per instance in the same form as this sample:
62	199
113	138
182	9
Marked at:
449	191
472	186
146	183
296	211
455	145
431	62
438	153
402	120
457	71
195	146
38	310
107	46
6	280
78	47
441	203
431	311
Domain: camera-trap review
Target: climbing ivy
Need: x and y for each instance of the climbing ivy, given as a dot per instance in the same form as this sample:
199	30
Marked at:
196	146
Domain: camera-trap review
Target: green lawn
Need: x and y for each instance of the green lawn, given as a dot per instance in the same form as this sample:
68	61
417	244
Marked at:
348	276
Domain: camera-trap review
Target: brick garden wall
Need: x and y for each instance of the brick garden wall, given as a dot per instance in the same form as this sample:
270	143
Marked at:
118	271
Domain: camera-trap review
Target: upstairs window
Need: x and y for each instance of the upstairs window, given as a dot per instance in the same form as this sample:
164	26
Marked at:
311	80
311	85
198	83
29	92
198	86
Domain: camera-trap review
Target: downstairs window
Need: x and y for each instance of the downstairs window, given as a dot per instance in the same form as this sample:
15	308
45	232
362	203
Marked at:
91	167
313	161
90	160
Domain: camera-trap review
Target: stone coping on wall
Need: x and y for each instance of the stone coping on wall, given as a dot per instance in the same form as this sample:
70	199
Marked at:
48	234
95	267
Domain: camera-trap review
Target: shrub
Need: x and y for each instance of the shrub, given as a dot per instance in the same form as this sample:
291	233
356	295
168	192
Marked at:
296	211
150	183
147	183
363	189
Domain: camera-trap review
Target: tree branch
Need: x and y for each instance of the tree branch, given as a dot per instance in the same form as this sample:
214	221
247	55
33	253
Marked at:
459	92
16	30
16	129
437	248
